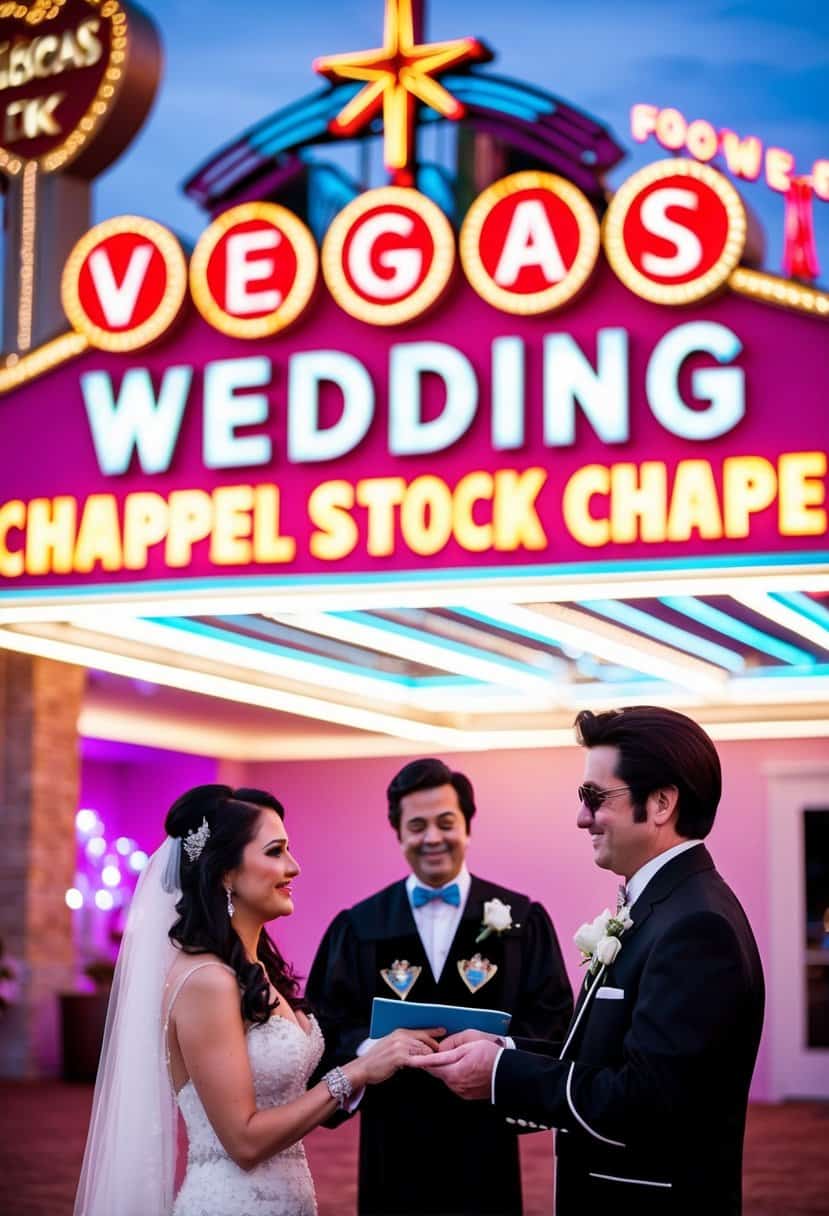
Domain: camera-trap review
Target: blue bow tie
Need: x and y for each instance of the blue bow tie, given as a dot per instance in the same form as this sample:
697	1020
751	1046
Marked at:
425	895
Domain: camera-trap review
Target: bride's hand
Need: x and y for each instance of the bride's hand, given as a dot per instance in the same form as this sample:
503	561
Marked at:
394	1051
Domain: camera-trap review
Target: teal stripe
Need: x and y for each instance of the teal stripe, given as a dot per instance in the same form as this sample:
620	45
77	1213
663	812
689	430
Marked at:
713	618
634	618
608	674
188	625
804	605
417	635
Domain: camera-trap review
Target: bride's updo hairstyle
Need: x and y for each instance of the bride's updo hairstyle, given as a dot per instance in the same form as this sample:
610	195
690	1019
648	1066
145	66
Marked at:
203	925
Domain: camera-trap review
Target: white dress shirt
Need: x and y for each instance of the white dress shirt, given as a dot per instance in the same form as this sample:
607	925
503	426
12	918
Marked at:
635	887
437	923
645	873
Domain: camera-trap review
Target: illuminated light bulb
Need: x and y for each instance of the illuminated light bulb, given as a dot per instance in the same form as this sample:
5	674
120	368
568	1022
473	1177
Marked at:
138	860
104	900
85	820
95	848
110	876
74	898
124	845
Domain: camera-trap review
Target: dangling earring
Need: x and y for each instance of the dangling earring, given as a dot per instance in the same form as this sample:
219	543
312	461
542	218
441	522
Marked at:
230	907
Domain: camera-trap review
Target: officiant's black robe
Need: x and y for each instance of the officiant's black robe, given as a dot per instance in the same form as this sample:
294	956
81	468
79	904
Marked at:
423	1151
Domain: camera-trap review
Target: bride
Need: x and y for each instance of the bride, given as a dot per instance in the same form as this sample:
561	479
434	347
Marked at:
205	1015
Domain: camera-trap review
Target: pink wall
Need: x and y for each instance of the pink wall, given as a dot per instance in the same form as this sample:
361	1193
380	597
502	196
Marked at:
133	787
524	835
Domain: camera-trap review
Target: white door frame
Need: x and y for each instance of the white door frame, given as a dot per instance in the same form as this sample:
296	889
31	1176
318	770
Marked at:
796	1071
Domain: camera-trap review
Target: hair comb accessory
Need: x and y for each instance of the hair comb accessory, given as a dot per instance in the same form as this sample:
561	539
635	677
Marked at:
195	841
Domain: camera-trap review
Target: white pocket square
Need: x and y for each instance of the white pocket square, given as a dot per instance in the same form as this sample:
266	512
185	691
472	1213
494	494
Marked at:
610	994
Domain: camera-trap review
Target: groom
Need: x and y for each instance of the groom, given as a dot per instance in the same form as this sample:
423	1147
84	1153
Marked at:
650	1086
423	1150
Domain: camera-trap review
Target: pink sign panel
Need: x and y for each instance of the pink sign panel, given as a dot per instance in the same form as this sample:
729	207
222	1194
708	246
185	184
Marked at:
613	431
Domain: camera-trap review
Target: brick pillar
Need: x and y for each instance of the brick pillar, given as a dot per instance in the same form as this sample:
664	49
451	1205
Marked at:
40	701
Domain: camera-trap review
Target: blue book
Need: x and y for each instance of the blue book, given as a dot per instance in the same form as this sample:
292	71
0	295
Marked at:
387	1015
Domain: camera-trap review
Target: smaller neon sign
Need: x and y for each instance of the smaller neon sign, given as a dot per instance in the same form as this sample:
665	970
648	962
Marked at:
744	156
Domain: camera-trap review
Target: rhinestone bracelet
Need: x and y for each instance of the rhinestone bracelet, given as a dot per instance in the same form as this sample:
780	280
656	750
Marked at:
339	1086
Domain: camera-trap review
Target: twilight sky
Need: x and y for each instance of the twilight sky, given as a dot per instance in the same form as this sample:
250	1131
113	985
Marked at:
755	66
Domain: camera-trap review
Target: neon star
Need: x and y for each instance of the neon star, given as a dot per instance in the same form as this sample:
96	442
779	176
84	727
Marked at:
396	74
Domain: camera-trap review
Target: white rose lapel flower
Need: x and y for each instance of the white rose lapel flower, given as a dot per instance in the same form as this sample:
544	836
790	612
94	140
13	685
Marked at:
497	919
600	940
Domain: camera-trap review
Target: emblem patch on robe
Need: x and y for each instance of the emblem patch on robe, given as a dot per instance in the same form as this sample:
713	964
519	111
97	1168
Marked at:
401	977
476	971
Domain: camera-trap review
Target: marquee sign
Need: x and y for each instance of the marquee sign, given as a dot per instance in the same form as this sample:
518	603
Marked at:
539	392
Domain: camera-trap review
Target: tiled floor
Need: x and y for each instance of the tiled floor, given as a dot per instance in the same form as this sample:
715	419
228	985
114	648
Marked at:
43	1127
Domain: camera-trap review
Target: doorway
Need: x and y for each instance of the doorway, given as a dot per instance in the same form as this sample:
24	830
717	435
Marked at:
798	998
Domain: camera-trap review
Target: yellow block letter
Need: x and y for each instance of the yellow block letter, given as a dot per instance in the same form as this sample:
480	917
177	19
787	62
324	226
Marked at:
802	493
515	522
233	524
328	508
575	505
191	518
99	536
145	524
50	535
749	485
12	515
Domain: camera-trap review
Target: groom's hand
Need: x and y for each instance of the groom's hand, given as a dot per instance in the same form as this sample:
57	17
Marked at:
470	1036
467	1069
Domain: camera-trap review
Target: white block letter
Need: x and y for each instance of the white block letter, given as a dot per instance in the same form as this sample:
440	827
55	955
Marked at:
224	411
408	433
723	387
118	302
405	263
507	393
602	392
530	242
136	420
241	272
306	440
655	220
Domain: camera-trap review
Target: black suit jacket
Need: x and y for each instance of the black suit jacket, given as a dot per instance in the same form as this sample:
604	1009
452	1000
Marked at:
651	1089
413	1121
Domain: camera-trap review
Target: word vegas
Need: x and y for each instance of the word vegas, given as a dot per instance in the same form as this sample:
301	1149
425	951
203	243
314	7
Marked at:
528	244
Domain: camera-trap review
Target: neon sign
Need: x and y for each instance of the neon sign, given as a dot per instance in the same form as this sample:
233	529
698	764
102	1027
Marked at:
543	405
67	71
744	156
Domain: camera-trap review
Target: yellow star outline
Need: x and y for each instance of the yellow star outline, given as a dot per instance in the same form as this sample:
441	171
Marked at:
395	74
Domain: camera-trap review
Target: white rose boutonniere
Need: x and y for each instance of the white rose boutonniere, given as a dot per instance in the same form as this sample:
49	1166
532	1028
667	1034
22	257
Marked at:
600	940
497	919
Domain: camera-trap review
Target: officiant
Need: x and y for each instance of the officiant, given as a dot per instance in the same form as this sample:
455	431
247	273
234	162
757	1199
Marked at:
447	937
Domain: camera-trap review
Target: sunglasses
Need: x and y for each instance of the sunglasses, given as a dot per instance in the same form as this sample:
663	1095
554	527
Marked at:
593	798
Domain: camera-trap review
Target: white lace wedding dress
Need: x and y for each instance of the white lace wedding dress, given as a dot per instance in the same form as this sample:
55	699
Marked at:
282	1058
